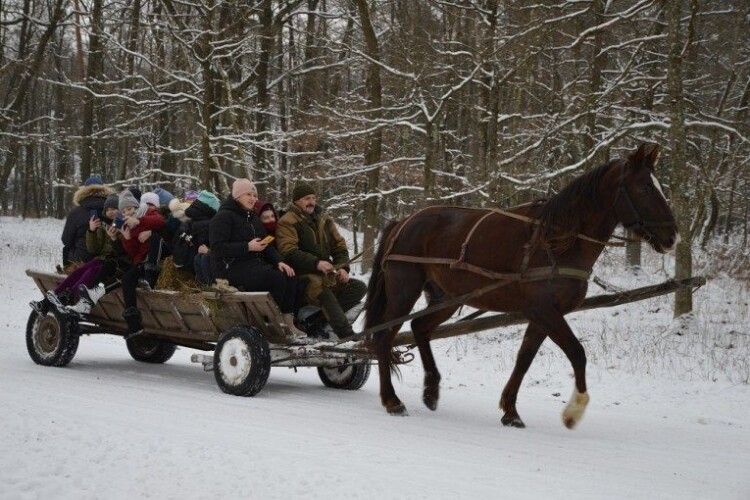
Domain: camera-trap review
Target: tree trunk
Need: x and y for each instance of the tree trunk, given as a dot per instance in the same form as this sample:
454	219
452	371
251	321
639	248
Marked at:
93	75
373	151
680	175
262	122
633	250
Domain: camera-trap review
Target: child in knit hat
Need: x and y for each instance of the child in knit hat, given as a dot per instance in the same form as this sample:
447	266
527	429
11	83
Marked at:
135	233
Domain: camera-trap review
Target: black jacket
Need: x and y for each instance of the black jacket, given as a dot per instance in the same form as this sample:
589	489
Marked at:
192	234
231	230
86	199
200	216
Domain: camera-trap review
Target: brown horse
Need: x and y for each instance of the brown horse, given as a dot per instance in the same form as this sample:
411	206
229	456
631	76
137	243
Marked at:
572	230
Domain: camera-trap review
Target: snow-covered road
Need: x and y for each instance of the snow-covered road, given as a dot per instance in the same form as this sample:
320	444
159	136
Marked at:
109	427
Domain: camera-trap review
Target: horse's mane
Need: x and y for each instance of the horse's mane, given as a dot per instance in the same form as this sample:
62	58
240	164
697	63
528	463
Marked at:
561	214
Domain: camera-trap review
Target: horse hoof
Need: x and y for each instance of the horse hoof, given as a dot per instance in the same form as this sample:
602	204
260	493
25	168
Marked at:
430	402
574	410
398	410
514	421
431	397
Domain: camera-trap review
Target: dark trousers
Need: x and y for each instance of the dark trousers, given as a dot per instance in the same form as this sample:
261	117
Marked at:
129	283
157	251
259	276
202	265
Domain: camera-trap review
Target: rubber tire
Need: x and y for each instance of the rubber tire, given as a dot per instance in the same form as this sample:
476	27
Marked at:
64	349
350	377
253	357
150	350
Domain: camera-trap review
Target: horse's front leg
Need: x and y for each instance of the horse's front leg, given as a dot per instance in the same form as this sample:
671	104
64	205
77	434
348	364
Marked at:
561	334
533	338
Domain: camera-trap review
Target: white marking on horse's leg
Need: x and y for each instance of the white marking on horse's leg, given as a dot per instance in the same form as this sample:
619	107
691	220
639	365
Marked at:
573	412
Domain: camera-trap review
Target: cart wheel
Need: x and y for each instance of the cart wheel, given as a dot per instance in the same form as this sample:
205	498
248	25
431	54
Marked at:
150	350
350	377
242	361
52	339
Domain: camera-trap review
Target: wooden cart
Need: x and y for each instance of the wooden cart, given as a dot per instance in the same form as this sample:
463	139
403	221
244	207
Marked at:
244	329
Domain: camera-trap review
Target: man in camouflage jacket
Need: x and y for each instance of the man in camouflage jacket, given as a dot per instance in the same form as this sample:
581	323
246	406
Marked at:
309	241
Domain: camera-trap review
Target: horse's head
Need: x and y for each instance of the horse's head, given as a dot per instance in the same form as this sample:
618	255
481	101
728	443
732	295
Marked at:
641	205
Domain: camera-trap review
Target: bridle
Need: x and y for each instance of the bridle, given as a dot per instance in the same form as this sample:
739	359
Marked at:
632	219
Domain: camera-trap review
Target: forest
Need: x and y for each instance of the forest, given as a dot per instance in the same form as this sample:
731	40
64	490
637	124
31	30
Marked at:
385	105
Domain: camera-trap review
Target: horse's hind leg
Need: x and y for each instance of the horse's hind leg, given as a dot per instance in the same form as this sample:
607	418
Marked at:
533	338
422	327
383	346
402	286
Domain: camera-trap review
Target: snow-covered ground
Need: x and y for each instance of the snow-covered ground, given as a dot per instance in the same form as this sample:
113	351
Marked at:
668	416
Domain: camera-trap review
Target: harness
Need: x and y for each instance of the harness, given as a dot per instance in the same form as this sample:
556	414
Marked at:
525	274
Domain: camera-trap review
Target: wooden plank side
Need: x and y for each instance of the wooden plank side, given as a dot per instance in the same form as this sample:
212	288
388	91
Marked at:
183	316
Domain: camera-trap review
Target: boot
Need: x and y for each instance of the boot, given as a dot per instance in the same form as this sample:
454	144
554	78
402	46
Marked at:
132	317
291	327
93	294
89	298
334	314
55	301
41	307
80	308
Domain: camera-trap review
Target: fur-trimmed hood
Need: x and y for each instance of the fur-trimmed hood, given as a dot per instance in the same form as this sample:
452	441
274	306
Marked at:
92	191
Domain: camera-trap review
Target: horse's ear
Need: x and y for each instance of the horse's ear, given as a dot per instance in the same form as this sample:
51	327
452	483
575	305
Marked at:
646	155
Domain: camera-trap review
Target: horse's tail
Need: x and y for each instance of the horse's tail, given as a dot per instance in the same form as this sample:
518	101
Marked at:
376	298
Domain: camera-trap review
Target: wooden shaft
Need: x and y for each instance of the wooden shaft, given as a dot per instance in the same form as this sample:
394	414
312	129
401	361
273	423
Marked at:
516	318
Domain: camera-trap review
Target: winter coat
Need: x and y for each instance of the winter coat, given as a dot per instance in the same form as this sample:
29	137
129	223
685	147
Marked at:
304	240
200	216
231	230
152	220
86	199
171	226
99	244
192	234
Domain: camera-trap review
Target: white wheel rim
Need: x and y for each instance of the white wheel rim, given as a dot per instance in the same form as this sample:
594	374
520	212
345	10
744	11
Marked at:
339	375
234	362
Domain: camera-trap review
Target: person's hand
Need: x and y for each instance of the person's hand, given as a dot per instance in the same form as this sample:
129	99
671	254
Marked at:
203	249
144	236
125	232
131	222
94	224
112	232
256	245
342	275
325	267
286	269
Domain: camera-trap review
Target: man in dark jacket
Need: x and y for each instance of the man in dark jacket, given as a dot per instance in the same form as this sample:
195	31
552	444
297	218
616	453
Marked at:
236	238
88	201
308	239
